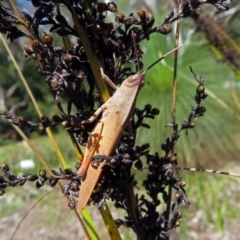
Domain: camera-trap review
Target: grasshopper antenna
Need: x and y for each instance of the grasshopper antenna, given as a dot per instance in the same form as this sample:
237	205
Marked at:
154	63
161	58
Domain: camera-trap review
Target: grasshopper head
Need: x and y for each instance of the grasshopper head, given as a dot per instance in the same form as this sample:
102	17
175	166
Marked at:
135	80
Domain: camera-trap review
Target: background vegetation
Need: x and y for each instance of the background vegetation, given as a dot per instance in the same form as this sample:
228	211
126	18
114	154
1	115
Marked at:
214	143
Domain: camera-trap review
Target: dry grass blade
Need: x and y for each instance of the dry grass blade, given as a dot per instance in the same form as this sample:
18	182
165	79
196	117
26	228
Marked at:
235	98
209	171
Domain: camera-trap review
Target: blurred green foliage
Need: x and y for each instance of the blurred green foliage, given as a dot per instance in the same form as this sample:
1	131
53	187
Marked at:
13	93
214	140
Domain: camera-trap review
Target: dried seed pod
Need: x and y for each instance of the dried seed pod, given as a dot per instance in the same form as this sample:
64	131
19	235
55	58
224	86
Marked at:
53	181
178	215
148	107
113	160
14	182
177	224
5	168
169	16
61	19
74	186
164	29
56	173
65	189
65	124
112	7
108	27
69	172
192	125
138	164
35	3
178	196
101	204
58	50
186	125
27	17
142	15
28	49
173	159
101	7
119	17
35	43
42	173
155	111
178	183
39	183
144	147
41	128
32	177
2	191
150	20
200	89
68	57
169	171
22	182
202	109
95	164
72	204
47	39
53	83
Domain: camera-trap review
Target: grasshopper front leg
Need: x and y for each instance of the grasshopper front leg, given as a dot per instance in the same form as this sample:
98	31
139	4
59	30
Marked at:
91	148
93	141
96	114
108	80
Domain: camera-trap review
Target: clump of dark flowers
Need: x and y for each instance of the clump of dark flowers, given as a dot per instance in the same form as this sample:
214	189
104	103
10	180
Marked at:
65	69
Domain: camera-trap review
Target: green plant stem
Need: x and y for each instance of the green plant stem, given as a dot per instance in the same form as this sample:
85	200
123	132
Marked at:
93	60
133	210
174	100
110	224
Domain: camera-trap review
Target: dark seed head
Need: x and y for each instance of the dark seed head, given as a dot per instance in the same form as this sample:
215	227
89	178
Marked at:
200	89
47	39
5	168
120	17
112	7
72	204
42	173
2	191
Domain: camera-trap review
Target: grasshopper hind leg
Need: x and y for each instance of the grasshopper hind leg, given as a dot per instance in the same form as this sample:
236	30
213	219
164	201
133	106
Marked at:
92	146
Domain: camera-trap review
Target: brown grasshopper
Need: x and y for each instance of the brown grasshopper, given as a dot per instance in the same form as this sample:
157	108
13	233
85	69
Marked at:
106	135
